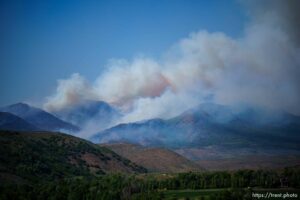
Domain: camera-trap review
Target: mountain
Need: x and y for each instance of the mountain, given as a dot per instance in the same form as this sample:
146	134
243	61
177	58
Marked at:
209	125
30	156
147	133
154	159
89	112
10	121
39	118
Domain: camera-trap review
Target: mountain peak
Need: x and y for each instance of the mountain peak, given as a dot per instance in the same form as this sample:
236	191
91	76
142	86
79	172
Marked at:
38	117
19	105
89	110
18	108
10	121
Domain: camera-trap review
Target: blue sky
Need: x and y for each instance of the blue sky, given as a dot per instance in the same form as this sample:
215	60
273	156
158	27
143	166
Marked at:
42	41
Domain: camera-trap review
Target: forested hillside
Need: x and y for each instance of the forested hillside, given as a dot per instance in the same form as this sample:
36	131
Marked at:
205	185
30	157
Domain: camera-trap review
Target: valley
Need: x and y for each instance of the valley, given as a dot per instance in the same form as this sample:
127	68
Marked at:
208	152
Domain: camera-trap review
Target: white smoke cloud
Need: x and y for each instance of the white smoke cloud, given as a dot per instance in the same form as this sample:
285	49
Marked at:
164	106
260	68
125	82
70	92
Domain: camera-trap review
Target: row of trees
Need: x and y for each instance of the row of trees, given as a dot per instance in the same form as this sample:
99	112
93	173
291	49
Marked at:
119	186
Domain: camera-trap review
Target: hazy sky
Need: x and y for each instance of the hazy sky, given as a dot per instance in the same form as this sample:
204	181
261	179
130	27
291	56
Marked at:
42	41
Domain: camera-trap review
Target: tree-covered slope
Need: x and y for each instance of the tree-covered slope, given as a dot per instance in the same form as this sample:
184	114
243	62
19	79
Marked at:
26	156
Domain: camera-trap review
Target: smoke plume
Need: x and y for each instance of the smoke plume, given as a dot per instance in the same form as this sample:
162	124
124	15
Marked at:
260	68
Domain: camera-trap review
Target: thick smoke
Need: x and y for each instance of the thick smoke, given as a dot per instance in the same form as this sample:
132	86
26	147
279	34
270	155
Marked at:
260	68
70	92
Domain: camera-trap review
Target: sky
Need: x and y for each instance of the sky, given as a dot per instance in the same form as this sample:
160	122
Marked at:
44	41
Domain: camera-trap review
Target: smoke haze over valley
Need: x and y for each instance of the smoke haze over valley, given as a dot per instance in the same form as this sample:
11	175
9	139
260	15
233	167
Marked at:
260	68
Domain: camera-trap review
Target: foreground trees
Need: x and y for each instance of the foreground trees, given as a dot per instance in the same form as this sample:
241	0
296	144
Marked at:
121	186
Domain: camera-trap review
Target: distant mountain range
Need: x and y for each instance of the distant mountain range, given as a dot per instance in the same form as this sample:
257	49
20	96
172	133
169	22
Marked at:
212	125
88	112
154	159
37	118
10	121
96	115
206	132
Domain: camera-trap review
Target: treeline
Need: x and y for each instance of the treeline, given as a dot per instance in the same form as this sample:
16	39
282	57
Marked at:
239	179
120	186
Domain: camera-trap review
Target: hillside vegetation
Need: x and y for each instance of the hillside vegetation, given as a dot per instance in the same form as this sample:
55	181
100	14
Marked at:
154	159
223	185
28	157
45	165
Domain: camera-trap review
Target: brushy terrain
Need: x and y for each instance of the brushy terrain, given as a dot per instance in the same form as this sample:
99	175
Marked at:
34	156
43	165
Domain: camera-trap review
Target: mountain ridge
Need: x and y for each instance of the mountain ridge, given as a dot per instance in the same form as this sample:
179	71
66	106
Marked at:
10	121
88	110
211	125
39	118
